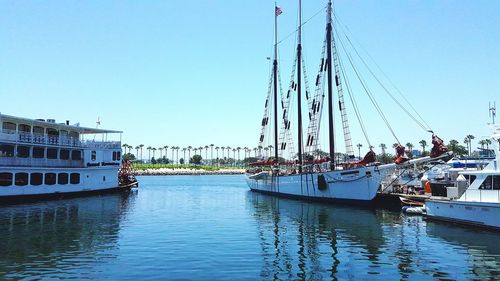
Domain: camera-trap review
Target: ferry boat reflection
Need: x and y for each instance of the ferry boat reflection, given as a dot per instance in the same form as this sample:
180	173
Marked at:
62	232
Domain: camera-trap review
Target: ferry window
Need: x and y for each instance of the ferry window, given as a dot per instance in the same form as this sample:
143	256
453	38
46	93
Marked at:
62	178
74	178
496	182
24	128
486	183
38	152
50	178
52	132
5	179
38	130
21	179
76	155
114	155
36	179
23	151
6	150
118	155
64	154
74	135
8	127
52	153
93	156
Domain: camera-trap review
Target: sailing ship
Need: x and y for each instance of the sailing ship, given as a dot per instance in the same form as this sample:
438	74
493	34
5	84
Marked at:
326	178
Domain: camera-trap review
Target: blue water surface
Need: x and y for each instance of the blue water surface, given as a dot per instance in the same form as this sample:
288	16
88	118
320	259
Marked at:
214	228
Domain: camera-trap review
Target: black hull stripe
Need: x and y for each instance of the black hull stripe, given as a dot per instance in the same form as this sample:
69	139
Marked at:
17	199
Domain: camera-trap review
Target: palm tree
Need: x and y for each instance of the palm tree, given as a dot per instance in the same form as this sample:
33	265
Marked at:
166	150
172	148
154	150
255	151
468	140
184	151
125	146
410	146
265	150
149	152
246	151
189	153
137	151
383	147
206	152
217	151
481	142
423	143
238	149
161	150
487	142
394	145
359	149
141	146
228	151
212	154
177	154
234	156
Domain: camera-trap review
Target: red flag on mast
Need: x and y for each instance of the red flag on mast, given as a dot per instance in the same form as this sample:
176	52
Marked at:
277	10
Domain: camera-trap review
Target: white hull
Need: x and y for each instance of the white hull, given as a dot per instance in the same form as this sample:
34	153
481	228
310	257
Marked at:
473	213
359	184
91	179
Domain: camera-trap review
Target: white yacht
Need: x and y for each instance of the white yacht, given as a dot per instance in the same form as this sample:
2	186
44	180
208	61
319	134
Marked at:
41	158
479	204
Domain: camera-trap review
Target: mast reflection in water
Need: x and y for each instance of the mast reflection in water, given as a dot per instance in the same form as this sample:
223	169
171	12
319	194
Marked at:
60	236
311	241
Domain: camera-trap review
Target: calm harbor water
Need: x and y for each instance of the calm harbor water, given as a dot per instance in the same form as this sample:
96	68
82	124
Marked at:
214	228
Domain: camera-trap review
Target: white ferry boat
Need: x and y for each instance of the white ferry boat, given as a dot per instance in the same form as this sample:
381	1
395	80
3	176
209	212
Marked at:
41	158
480	203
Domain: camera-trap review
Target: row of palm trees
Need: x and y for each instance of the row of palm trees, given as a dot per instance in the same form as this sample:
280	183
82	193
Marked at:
197	151
225	151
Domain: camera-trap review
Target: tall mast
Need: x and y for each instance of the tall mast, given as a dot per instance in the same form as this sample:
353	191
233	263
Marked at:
330	92
277	11
299	87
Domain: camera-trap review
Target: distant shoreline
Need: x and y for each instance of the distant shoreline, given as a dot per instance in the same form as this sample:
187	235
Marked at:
187	172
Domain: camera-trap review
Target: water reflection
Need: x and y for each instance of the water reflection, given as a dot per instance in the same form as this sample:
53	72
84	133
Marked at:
49	238
301	240
482	247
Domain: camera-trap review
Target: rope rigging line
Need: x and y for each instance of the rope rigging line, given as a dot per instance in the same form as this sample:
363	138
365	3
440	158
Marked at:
370	95
304	23
385	89
420	122
354	104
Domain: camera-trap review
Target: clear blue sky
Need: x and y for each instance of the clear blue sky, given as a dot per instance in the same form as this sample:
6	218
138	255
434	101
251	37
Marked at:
195	72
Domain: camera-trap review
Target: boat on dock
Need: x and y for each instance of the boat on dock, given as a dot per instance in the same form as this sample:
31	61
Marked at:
479	204
321	178
42	159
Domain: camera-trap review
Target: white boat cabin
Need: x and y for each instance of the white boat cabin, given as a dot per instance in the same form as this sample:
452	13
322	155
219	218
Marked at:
38	151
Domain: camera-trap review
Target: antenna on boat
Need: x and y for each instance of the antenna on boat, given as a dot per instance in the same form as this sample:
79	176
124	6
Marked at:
98	122
493	112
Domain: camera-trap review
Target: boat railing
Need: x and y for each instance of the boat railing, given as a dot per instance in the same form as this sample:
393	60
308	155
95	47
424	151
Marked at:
42	162
100	144
482	195
31	138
